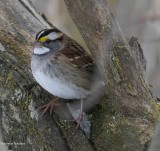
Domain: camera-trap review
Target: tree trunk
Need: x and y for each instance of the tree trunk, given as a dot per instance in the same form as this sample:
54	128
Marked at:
124	118
127	114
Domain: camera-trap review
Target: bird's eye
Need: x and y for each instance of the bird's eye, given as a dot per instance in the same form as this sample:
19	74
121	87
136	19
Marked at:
48	41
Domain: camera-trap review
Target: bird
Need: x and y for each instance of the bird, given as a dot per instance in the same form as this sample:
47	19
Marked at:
62	67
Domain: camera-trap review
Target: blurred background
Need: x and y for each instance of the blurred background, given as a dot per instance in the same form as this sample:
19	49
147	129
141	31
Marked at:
139	18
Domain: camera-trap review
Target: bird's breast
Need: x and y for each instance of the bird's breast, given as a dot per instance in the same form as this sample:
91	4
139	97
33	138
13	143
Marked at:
58	87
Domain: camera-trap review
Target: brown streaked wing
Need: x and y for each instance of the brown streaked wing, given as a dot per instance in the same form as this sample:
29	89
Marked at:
78	56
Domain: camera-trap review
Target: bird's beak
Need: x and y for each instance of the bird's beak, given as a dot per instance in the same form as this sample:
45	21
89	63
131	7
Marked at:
36	44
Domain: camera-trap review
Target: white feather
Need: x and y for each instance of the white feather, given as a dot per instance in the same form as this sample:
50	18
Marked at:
41	50
59	88
54	35
40	33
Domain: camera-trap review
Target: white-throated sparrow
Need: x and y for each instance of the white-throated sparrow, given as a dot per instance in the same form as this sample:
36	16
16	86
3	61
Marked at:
61	66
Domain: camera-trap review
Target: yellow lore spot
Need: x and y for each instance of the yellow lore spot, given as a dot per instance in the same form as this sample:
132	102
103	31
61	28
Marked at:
43	39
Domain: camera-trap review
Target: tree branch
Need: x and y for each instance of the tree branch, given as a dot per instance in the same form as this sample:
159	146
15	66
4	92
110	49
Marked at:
124	118
126	115
21	124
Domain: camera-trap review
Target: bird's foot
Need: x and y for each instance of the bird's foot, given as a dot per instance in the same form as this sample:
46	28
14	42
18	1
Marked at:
79	120
50	106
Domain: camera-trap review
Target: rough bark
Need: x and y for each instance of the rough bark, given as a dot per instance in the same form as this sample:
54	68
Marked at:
22	126
155	143
125	116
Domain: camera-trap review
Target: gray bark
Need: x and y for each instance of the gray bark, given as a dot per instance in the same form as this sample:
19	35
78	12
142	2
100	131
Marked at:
19	94
124	118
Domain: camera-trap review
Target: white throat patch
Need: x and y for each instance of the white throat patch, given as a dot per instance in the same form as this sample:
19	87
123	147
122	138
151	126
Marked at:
41	50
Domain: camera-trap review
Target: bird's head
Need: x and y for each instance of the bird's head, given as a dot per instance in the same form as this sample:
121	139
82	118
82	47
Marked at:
46	40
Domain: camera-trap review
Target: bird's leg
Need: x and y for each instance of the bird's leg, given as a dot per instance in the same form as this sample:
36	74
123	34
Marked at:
49	106
80	117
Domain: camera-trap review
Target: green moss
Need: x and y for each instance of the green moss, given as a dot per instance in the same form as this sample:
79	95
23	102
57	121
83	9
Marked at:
116	133
156	106
132	90
145	85
9	76
116	61
121	47
33	131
